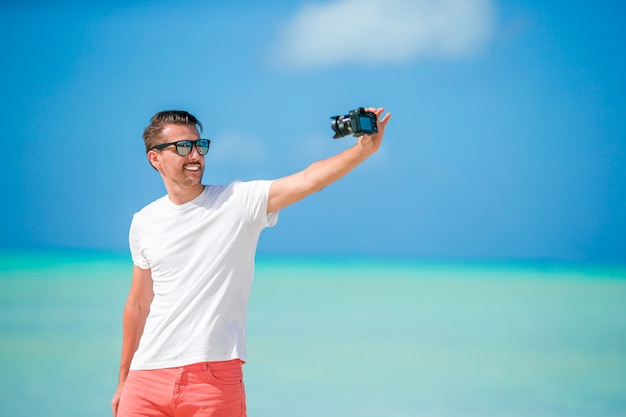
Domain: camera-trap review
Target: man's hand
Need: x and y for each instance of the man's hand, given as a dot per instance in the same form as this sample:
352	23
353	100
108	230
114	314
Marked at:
115	402
369	144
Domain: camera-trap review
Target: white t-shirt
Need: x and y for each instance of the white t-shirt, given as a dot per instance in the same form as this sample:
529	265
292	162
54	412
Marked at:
201	256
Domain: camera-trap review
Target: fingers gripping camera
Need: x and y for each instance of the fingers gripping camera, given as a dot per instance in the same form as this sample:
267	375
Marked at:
359	122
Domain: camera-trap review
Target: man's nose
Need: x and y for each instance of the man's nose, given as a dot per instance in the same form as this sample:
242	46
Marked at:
194	154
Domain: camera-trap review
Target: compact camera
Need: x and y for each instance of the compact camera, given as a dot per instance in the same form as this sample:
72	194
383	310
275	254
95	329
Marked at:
359	122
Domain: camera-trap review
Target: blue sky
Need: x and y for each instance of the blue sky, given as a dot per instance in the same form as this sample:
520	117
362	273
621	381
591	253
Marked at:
507	141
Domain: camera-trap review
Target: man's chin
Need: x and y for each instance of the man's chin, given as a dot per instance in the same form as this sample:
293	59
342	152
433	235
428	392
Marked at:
193	180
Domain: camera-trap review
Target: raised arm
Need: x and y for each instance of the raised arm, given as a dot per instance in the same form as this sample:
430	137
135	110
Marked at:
135	314
293	188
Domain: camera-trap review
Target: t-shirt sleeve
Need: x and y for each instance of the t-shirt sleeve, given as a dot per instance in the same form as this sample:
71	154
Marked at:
135	247
255	195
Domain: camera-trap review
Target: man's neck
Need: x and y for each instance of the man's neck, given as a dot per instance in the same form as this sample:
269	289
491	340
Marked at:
182	195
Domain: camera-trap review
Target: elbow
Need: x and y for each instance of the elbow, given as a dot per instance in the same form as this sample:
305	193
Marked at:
137	308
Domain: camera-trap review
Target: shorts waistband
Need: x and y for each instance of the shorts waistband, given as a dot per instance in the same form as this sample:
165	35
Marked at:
215	364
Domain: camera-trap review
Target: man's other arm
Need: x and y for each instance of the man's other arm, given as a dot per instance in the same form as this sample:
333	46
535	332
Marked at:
135	314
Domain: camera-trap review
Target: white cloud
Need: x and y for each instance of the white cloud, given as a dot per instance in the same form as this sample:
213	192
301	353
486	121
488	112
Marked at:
379	32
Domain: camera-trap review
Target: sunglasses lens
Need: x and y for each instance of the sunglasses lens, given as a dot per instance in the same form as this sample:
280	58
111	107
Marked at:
184	147
202	146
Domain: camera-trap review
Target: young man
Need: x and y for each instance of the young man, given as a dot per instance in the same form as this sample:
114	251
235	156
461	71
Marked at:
193	252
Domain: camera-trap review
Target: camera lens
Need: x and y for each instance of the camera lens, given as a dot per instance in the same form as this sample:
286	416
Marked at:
341	126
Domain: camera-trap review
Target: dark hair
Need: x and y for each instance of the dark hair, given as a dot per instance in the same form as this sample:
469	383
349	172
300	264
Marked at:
169	117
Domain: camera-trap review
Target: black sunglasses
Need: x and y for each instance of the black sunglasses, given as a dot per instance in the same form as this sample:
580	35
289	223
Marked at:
183	147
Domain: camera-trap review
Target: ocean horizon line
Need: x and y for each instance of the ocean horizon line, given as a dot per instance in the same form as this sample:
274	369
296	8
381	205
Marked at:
29	258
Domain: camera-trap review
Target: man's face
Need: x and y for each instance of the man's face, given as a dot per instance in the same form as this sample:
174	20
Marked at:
185	170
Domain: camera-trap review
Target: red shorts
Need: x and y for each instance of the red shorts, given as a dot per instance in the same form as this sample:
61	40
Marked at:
206	389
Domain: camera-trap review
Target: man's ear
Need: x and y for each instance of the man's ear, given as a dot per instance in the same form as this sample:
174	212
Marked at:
153	158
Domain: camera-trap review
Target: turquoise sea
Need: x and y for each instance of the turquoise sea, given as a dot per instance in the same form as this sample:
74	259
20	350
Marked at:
340	337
